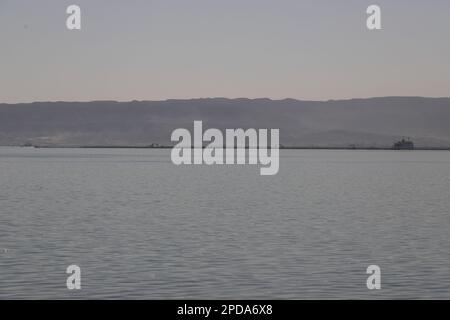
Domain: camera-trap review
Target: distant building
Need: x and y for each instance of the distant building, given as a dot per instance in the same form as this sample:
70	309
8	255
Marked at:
403	145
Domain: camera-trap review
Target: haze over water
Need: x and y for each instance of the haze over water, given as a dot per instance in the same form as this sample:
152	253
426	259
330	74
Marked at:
140	227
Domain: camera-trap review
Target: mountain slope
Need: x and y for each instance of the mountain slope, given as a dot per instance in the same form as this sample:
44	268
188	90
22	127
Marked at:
364	122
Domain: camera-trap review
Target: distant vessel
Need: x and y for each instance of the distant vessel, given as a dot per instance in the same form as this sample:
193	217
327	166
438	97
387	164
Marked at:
28	145
404	144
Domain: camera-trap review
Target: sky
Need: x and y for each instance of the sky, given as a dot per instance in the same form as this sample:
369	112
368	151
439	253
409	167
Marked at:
179	49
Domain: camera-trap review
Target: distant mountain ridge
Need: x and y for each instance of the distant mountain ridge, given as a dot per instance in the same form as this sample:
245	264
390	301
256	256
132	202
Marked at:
372	122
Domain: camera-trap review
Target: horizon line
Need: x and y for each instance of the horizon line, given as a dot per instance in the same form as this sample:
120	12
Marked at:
220	98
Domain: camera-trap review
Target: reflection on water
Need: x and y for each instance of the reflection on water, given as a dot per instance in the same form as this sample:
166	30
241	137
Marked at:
141	228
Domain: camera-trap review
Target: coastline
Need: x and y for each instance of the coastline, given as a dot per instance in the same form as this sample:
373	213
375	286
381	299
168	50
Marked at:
281	148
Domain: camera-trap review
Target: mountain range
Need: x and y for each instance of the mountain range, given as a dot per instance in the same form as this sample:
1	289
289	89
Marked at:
372	122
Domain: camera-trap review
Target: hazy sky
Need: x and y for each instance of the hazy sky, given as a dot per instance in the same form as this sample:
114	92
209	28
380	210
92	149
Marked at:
153	50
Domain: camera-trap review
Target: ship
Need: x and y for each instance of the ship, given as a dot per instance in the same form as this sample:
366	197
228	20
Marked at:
404	144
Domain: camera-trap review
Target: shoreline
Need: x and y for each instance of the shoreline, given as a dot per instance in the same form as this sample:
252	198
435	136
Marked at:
280	148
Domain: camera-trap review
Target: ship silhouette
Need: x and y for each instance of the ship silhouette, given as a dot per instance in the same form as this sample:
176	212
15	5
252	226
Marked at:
404	144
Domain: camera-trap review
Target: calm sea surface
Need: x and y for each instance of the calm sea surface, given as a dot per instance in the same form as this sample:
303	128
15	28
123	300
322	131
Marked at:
141	228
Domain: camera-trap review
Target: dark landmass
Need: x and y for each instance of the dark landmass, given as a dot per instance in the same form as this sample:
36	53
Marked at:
375	123
281	147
